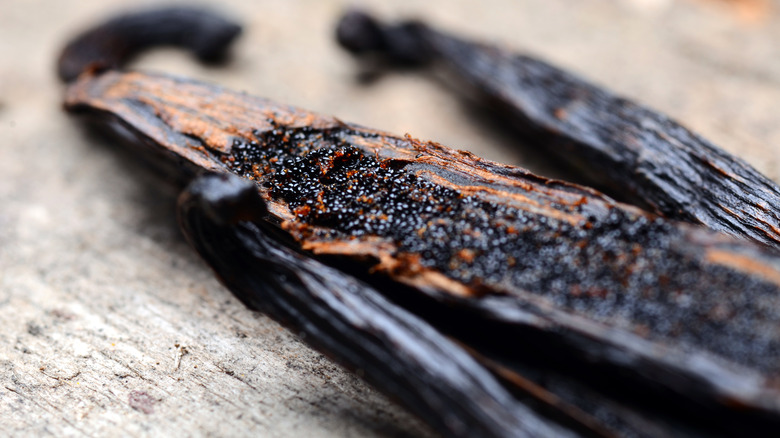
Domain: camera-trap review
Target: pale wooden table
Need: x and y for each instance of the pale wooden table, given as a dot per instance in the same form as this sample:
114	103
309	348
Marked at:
109	324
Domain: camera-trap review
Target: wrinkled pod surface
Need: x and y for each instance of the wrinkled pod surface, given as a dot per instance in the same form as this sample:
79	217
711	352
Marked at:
633	151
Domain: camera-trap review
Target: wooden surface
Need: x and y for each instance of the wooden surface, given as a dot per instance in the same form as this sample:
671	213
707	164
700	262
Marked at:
109	323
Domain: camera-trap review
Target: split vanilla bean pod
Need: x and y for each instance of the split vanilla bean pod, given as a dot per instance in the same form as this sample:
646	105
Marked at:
636	152
533	278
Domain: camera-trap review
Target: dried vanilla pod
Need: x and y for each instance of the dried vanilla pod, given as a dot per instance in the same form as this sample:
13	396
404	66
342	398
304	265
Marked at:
535	279
635	152
111	44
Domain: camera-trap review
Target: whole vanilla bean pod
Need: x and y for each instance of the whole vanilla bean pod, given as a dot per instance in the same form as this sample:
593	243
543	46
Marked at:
222	217
636	152
111	44
520	269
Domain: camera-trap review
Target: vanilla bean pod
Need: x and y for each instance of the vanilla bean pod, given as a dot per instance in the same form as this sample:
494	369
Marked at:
523	271
534	260
111	44
636	152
